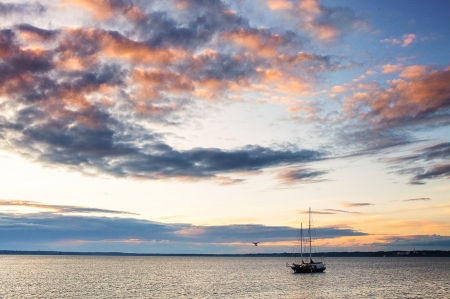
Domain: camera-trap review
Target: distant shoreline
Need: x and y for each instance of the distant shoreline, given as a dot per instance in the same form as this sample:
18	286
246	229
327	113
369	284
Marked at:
396	253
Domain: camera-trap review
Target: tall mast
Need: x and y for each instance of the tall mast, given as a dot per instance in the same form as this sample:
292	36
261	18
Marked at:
301	241
309	232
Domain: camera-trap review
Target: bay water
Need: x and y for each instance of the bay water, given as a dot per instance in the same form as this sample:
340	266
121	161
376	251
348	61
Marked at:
220	277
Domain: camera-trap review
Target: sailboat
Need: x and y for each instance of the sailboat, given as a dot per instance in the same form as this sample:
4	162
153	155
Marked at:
311	266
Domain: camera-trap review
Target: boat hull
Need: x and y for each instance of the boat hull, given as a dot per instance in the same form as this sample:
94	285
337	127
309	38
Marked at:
308	268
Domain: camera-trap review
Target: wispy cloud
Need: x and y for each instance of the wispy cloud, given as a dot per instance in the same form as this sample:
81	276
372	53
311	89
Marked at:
424	163
59	208
293	176
404	41
418	199
320	212
342	211
355	204
328	212
435	172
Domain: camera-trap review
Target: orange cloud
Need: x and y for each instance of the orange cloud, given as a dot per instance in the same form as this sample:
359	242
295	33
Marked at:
324	31
294	85
182	4
310	6
210	89
415	100
338	89
103	9
414	72
392	68
69	62
119	47
32	37
408	39
270	76
296	58
284	83
125	49
265	46
279	4
164	80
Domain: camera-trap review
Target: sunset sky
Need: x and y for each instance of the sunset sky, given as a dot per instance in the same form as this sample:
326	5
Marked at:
200	126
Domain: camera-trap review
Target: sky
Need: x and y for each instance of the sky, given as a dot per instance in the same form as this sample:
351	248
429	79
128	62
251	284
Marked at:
201	126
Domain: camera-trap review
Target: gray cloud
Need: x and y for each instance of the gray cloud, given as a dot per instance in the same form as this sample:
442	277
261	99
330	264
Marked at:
327	212
417	199
355	204
51	228
21	8
192	29
436	172
425	163
417	241
342	211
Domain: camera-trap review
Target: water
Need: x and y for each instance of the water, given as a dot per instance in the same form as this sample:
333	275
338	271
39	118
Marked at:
219	277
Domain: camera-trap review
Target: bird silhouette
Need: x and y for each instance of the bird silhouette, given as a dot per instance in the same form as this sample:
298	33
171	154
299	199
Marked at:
255	243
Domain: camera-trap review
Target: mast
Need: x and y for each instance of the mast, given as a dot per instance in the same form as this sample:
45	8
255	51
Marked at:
309	232
301	242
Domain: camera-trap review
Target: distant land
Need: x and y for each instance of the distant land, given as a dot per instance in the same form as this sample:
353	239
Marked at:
417	253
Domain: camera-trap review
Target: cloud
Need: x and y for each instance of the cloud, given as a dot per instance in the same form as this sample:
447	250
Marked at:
418	199
327	24
279	4
342	211
62	209
435	172
390	68
317	212
338	89
408	39
393	41
44	230
34	8
405	40
440	151
382	118
417	241
355	204
327	212
34	34
294	176
103	9
87	97
425	163
260	42
414	72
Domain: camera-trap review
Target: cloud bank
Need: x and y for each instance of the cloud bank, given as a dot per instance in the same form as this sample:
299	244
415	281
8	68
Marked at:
59	227
87	97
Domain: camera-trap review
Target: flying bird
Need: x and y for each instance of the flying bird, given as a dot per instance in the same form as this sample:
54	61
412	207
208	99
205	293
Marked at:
255	243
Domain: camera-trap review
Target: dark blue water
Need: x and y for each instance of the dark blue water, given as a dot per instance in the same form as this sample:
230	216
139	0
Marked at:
219	277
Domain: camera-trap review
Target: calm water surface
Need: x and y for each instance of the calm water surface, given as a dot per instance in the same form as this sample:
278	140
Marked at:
219	277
